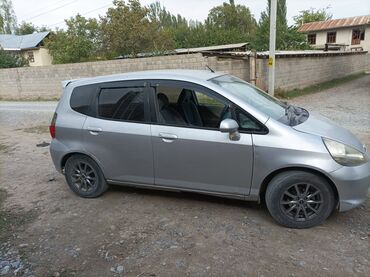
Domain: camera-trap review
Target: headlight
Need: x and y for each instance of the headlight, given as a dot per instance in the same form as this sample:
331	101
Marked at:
344	154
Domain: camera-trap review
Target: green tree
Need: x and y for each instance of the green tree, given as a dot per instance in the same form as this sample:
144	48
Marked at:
26	28
227	23
9	60
158	13
231	17
312	15
77	44
262	38
127	29
8	20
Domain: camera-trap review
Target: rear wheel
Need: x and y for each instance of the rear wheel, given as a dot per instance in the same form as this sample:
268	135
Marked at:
84	177
298	199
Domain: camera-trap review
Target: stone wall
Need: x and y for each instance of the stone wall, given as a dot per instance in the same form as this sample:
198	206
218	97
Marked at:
44	82
301	71
292	71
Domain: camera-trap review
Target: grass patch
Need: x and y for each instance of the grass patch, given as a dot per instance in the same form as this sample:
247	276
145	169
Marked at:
41	129
318	87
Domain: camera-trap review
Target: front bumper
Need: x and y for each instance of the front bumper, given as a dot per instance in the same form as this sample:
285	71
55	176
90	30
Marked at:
353	185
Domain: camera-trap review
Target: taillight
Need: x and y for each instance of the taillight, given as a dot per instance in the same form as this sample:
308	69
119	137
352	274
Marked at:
52	125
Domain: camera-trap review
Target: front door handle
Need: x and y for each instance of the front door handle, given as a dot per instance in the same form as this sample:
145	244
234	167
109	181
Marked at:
167	137
94	130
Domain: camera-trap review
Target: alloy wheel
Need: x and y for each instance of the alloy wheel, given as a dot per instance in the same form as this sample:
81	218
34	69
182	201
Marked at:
302	202
84	177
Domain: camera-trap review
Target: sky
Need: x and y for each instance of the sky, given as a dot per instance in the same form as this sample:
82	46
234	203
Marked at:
52	13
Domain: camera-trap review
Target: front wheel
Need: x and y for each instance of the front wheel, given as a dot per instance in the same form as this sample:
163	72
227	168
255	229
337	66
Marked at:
84	177
298	199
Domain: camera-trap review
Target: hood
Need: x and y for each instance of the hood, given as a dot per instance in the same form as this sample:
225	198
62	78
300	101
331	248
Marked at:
319	125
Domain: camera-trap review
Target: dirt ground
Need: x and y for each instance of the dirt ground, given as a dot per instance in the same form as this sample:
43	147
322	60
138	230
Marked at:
46	230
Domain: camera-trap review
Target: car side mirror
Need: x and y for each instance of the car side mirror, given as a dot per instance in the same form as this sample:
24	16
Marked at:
230	126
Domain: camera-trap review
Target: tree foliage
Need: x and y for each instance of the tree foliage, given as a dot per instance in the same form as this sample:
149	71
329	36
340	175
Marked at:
77	44
226	23
287	38
312	15
9	60
26	28
231	17
127	29
8	20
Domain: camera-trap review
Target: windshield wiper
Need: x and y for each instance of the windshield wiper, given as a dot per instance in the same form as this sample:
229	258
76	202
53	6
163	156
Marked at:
295	115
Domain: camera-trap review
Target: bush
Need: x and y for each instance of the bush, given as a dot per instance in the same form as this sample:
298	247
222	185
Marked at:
9	60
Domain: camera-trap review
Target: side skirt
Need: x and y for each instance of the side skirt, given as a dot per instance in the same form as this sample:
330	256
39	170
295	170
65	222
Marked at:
179	189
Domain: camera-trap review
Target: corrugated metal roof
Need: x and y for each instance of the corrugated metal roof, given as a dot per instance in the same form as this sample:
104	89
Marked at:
211	48
335	23
14	42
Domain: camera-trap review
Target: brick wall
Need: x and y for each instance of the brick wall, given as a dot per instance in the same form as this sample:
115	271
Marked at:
45	81
302	71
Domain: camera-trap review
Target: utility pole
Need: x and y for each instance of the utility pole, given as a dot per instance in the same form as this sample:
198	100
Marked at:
273	8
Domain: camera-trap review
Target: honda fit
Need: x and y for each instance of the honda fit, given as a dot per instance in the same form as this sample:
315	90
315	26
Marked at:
206	132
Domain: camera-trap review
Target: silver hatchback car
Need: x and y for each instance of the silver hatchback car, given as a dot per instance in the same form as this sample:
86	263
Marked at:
206	132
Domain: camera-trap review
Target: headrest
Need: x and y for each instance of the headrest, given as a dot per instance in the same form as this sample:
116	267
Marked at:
162	100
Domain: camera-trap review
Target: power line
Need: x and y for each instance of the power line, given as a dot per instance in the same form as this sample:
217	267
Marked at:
38	10
54	9
102	7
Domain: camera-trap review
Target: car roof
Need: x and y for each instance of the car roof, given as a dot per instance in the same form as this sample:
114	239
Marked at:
176	74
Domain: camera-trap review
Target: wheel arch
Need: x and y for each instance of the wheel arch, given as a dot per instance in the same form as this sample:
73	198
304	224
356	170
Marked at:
269	177
70	154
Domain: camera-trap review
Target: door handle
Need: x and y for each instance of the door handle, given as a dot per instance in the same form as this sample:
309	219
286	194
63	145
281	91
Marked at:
167	137
94	130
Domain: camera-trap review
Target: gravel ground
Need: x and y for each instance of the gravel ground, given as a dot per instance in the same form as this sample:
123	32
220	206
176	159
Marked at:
48	231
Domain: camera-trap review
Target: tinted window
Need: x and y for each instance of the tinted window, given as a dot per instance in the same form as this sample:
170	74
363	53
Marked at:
122	104
81	98
183	106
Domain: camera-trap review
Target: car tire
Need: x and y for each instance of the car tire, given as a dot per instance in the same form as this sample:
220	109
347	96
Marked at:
84	176
298	199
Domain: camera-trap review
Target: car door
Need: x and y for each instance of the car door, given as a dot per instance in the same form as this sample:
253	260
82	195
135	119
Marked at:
196	155
118	134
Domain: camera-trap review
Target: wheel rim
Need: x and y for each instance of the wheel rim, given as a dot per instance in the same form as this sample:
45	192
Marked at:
302	202
84	177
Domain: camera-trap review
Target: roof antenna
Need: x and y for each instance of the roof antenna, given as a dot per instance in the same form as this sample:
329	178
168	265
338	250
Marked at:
210	69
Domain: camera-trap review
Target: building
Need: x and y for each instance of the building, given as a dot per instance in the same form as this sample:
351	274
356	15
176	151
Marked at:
30	46
351	33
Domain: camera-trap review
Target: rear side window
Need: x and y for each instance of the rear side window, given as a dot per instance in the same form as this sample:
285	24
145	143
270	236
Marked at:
81	98
126	104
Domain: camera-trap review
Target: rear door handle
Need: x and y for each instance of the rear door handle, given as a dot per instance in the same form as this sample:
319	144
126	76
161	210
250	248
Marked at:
167	137
94	130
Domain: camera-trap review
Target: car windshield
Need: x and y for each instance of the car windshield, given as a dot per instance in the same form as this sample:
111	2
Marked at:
260	100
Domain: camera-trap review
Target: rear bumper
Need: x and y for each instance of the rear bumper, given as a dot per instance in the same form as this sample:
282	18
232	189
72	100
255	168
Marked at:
57	152
353	185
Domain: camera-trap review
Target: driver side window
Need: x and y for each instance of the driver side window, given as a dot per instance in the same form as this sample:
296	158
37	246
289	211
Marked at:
184	106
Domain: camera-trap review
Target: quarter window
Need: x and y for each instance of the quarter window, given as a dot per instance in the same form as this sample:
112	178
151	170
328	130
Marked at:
81	98
126	104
